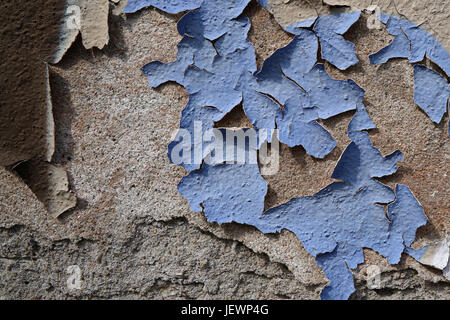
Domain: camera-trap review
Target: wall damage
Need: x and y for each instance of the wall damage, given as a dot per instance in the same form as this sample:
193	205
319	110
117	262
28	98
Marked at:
292	79
289	96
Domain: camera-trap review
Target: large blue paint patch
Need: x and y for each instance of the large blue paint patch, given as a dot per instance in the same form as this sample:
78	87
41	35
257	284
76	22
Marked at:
216	65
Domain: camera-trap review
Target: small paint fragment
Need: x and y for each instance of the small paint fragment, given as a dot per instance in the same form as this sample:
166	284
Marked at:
94	23
361	121
431	92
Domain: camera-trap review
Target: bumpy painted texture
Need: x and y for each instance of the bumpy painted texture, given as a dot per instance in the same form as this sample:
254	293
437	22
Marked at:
431	92
172	6
335	49
291	92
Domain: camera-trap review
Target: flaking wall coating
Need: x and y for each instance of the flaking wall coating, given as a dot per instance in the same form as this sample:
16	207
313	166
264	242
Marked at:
100	179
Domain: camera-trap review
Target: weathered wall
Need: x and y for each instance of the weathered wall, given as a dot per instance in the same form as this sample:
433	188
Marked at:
132	234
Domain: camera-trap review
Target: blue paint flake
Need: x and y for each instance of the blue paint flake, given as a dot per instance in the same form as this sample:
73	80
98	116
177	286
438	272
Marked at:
361	121
329	29
211	19
216	64
431	92
172	6
335	49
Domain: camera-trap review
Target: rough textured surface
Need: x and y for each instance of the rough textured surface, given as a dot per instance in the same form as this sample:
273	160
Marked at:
112	133
28	40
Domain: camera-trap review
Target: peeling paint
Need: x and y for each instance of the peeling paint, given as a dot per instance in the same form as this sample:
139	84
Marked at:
431	92
412	11
411	42
333	224
210	73
436	255
216	65
335	49
88	17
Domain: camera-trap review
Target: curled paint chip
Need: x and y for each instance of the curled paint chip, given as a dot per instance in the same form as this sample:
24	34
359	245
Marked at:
172	6
335	49
436	255
431	92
